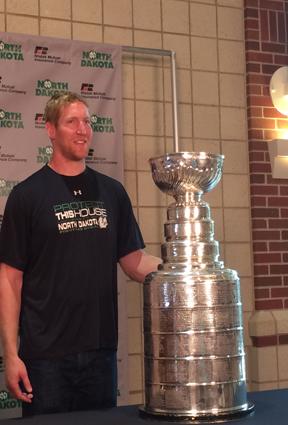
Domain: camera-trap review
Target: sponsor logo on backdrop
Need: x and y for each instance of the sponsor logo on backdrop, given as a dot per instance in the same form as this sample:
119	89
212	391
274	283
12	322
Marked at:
9	157
39	120
95	59
10	51
10	88
6	186
102	124
49	88
44	154
42	54
7	402
94	159
9	119
87	90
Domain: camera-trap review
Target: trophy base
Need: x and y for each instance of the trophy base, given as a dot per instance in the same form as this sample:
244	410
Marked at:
196	419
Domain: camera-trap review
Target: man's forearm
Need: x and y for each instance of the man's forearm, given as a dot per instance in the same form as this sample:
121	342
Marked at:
139	264
10	300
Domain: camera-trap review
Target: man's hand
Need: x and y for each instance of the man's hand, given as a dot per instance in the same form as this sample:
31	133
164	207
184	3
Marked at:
17	377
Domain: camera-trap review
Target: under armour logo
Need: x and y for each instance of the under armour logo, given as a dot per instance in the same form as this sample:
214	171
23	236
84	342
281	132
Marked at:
77	192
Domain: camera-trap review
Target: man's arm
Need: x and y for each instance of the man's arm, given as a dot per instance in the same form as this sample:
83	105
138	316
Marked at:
10	301
138	264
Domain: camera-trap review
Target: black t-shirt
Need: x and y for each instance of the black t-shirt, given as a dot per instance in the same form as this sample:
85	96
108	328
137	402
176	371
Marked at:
66	234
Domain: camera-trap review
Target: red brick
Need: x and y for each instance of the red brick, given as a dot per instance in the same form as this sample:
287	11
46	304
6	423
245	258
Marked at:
258	79
278	224
257	156
264	123
262	293
269	69
267	258
278	246
264	340
254	89
283	338
267	281
252	45
279	269
259	57
257	178
281	60
257	145
281	123
284	235
259	224
260	100
273	26
264	25
285	306
271	4
278	201
284	212
268	304
258	201
281	27
251	3
253	67
273	47
254	111
270	235
250	12
261	270
265	91
270	134
265	212
270	179
251	23
271	113
251	34
264	190
256	134
260	168
283	191
279	292
285	258
260	246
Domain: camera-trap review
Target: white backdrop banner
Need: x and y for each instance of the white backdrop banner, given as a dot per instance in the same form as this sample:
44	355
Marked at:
32	69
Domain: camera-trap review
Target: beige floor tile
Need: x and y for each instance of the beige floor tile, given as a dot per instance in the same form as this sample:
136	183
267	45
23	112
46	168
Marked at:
134	299
147	14
236	190
87	11
130	184
128	80
148	147
2	22
55	9
206	122
119	36
128	116
233	123
129	152
148	39
87	32
28	7
237	224
148	193
118	12
232	90
151	221
231	3
247	293
231	56
236	157
135	336
51	28
175	16
22	24
204	145
183	85
203	20
230	23
217	217
148	83
179	44
238	257
2	6
135	373
204	54
205	88
149	118
264	365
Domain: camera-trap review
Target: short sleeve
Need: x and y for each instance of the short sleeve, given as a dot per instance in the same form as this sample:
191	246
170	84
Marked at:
14	232
129	235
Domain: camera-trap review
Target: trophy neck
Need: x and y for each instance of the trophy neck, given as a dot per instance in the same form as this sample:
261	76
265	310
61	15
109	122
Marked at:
188	198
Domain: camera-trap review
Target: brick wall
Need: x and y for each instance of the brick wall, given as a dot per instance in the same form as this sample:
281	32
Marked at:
266	29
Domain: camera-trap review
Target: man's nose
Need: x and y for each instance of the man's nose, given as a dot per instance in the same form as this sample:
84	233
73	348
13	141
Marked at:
81	128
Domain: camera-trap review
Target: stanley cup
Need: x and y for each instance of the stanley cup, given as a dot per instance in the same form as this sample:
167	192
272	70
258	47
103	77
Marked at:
193	332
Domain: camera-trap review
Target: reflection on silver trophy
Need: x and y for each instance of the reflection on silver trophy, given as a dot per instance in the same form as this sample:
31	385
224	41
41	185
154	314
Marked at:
193	333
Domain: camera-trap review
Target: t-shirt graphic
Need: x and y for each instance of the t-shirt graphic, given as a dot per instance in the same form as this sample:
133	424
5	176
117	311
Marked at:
80	215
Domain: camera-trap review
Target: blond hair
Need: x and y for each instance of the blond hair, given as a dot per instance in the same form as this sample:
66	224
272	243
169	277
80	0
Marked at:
57	102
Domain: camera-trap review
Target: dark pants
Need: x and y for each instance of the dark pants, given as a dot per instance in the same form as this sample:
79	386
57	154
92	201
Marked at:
80	381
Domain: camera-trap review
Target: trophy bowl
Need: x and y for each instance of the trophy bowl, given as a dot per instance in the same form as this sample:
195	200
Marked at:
178	173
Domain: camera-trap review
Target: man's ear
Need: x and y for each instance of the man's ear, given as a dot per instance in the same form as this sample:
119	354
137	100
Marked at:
50	130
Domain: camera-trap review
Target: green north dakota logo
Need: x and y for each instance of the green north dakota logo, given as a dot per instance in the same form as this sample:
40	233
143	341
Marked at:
96	59
10	119
102	124
49	88
11	51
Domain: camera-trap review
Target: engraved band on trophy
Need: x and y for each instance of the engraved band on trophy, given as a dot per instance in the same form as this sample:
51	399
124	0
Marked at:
193	332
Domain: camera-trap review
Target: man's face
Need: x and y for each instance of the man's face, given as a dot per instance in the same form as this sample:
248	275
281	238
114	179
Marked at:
72	136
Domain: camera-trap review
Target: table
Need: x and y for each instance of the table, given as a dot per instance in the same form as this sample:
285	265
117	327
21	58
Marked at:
271	408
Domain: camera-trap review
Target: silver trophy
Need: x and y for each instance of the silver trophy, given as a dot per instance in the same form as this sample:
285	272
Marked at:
193	332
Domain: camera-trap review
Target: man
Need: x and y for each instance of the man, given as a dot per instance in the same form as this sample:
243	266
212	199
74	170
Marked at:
64	230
